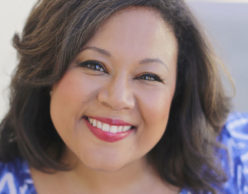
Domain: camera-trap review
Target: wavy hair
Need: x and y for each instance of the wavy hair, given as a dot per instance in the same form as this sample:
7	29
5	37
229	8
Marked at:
187	154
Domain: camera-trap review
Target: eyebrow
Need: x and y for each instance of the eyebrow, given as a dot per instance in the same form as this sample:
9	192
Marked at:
154	60
143	61
99	50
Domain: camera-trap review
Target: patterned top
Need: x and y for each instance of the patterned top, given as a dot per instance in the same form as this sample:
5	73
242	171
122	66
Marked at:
15	176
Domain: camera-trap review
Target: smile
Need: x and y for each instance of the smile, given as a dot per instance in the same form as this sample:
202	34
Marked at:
109	130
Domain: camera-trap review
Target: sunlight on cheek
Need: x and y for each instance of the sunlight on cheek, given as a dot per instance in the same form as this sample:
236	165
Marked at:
157	104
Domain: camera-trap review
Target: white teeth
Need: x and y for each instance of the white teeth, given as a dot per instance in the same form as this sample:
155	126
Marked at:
113	129
105	127
99	124
94	123
120	129
91	120
126	128
109	128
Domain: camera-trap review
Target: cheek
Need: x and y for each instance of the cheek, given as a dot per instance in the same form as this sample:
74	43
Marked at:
64	99
154	108
69	99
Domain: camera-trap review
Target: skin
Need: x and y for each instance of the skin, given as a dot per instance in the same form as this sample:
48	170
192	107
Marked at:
131	43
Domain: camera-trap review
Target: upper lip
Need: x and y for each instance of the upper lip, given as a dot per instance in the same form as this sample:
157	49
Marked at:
111	121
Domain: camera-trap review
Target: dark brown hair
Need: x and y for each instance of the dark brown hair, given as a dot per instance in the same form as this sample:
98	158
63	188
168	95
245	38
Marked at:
187	154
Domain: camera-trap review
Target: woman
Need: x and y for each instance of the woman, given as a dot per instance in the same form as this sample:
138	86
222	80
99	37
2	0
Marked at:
115	96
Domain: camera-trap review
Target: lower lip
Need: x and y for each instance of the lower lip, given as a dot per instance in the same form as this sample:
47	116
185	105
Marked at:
107	136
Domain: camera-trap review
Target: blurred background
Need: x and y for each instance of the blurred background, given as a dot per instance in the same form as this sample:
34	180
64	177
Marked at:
224	21
226	24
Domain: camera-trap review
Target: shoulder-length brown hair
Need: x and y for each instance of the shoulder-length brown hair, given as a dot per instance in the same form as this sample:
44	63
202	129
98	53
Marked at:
55	33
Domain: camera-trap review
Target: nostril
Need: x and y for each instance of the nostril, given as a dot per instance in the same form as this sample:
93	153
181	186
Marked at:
116	96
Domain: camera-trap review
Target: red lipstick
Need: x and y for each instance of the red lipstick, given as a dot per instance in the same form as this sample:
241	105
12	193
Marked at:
106	135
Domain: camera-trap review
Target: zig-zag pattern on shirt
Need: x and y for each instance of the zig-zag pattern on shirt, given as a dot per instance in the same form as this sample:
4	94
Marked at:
15	178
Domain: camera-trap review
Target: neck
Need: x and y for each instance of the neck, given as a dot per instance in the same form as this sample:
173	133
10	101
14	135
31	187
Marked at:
135	178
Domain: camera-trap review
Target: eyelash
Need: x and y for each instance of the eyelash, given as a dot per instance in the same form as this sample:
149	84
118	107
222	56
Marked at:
150	77
97	66
93	65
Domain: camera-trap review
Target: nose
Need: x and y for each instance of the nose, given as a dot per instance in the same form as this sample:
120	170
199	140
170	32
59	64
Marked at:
117	94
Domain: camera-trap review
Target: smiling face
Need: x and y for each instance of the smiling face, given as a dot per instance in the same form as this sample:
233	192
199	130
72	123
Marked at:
112	105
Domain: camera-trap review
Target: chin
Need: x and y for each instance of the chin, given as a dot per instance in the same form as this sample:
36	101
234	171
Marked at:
105	167
106	164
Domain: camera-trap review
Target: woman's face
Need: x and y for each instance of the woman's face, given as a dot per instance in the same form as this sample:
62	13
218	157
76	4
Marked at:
112	105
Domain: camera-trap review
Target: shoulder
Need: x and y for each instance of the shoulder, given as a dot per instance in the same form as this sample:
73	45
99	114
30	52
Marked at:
15	178
235	135
235	138
234	158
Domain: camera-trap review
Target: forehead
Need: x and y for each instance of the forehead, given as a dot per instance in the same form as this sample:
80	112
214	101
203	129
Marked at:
136	29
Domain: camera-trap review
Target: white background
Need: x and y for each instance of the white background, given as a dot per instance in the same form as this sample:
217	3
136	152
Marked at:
13	14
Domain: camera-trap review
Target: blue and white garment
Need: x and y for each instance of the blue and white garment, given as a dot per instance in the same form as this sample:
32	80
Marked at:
15	176
234	136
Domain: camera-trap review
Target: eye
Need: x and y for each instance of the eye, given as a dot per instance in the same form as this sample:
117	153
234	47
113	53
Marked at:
93	65
150	77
